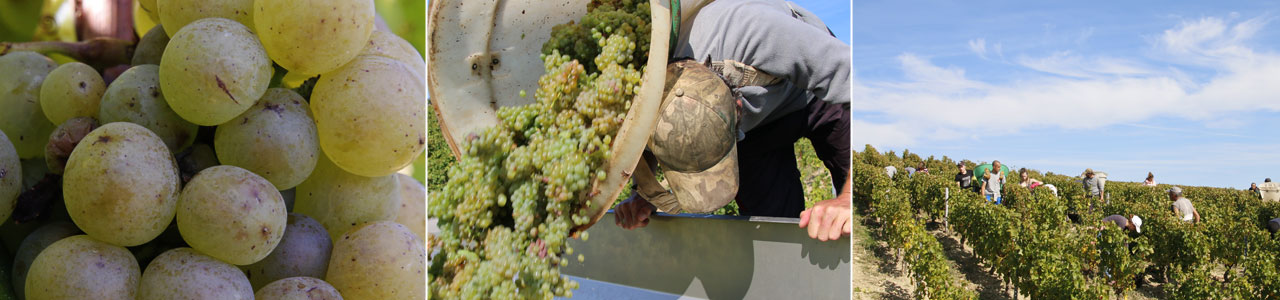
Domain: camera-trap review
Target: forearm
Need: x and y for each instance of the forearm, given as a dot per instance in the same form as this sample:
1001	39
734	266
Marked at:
846	193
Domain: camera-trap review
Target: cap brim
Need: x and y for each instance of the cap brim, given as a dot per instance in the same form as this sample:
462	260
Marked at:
706	190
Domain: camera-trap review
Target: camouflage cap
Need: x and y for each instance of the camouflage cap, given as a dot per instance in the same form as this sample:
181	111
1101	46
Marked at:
695	138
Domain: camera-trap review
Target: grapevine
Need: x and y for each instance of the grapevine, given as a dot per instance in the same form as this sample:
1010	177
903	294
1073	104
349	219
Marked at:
1056	247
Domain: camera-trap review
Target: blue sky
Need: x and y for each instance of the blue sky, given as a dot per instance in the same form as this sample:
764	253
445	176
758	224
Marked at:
1187	90
833	13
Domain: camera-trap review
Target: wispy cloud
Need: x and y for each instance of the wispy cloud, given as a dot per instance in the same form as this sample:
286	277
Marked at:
979	47
1076	91
1066	63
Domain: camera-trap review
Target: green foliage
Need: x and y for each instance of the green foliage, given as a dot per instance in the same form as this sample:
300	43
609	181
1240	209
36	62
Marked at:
1031	243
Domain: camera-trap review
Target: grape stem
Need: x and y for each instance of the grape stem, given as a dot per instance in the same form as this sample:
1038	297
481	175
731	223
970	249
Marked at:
100	53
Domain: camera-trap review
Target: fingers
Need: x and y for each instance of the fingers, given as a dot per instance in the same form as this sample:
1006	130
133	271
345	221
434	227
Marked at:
804	218
816	217
841	221
828	225
621	215
631	215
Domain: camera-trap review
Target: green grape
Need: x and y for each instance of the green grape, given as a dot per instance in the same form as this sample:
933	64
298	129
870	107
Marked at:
213	70
177	14
378	260
341	200
124	167
303	251
390	45
413	206
231	214
71	90
298	288
150	48
276	138
518	189
21	117
136	97
152	8
10	177
31	246
370	116
81	267
183	273
313	36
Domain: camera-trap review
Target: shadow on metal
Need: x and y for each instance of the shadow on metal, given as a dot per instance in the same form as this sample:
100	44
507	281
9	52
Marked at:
715	257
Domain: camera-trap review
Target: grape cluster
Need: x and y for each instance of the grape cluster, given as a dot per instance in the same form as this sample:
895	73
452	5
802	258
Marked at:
200	171
519	187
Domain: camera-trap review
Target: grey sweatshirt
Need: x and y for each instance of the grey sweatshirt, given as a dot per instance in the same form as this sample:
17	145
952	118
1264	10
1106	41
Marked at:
765	34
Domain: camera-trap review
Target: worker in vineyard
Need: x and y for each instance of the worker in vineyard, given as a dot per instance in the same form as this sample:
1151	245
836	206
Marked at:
788	78
1031	183
1182	206
1253	187
1269	191
1094	189
1151	180
1132	223
992	181
965	177
1273	225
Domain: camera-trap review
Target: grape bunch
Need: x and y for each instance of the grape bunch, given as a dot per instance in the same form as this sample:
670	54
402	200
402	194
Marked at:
519	188
252	148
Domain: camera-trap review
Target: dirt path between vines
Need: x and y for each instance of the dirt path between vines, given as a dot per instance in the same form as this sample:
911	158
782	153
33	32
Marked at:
878	275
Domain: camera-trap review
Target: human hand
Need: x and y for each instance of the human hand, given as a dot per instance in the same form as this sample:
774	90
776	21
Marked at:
633	213
829	219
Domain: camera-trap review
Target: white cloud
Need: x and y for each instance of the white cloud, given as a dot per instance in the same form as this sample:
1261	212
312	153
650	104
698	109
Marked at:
979	47
1066	63
937	103
1211	41
924	75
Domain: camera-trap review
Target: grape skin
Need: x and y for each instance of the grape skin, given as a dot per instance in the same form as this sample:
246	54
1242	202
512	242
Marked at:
32	245
177	14
413	206
213	70
135	97
231	214
71	90
298	288
81	267
126	167
378	260
22	118
313	36
390	45
303	251
276	138
10	176
341	200
370	116
183	273
150	48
